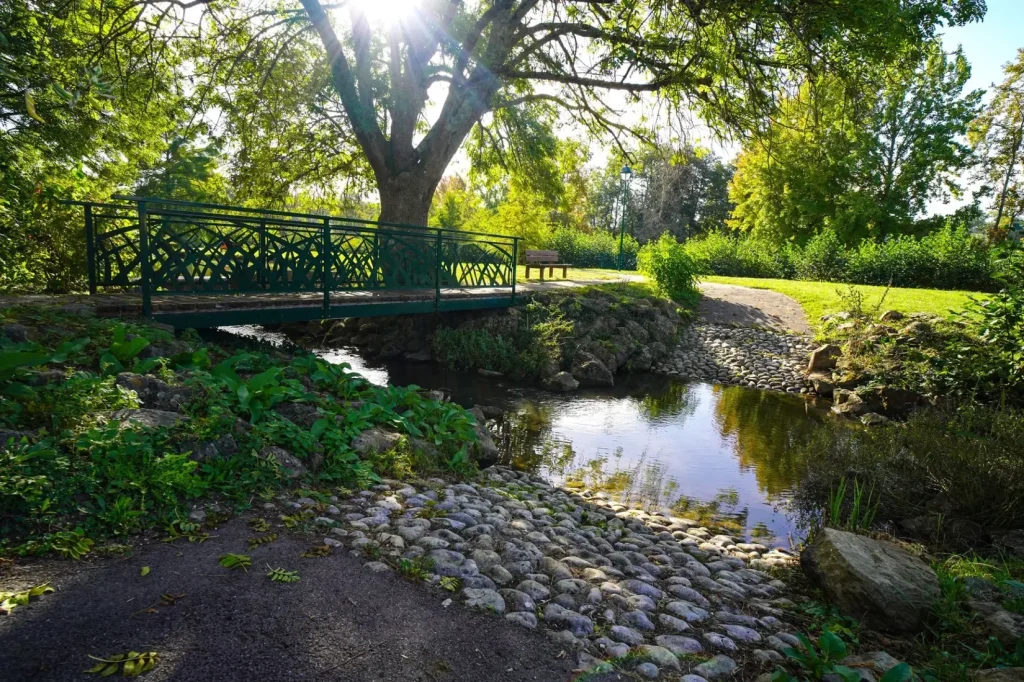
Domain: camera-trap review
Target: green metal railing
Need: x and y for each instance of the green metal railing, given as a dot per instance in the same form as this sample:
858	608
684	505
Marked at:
166	247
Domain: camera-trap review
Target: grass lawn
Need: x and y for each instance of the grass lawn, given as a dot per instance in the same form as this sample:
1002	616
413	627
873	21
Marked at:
573	274
820	298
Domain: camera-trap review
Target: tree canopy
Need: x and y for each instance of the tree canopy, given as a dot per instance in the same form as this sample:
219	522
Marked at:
862	162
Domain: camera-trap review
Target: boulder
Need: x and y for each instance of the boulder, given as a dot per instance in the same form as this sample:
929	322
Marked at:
154	393
891	316
872	419
995	621
374	440
824	357
847	403
563	382
1012	542
12	437
302	414
487	452
291	466
153	419
18	333
822	383
872	580
589	371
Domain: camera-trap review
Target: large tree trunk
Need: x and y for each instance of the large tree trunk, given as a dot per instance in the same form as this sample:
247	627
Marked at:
405	197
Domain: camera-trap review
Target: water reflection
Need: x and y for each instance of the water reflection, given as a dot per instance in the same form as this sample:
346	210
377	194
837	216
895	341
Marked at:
722	455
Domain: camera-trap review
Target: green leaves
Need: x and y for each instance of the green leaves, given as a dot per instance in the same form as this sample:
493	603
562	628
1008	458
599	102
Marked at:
131	664
234	561
9	600
122	351
144	571
72	544
900	673
280	575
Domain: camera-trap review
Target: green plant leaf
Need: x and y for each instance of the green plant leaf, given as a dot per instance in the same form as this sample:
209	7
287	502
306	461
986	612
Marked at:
144	572
832	647
900	673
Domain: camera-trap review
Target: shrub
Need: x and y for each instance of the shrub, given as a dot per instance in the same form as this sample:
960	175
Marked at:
719	254
666	262
823	259
598	249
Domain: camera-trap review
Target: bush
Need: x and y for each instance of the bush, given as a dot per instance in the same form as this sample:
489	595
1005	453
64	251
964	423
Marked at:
823	259
719	254
666	262
948	258
598	249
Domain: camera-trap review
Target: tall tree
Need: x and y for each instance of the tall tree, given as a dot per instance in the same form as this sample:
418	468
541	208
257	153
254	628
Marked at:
998	136
863	161
414	84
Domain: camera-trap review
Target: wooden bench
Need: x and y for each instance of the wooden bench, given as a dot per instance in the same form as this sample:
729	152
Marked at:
544	259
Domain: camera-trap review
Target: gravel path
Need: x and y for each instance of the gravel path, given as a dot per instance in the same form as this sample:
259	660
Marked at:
728	304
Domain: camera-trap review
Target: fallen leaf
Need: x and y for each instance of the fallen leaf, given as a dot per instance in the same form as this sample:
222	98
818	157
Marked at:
144	571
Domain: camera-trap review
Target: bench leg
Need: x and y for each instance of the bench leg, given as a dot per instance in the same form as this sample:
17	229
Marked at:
527	272
563	273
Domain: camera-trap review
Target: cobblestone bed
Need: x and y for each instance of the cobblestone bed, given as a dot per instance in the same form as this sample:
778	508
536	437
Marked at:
604	580
754	357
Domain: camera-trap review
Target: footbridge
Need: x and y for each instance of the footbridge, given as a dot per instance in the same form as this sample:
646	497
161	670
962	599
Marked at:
203	265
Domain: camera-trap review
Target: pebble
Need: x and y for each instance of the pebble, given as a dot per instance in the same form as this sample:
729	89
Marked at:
647	670
718	668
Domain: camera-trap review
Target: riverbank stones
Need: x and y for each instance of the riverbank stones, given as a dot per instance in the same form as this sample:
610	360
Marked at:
659	594
753	357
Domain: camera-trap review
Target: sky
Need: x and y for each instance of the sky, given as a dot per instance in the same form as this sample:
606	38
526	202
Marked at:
990	44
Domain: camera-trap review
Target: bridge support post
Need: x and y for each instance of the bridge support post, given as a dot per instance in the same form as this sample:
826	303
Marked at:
144	260
325	265
90	249
515	263
437	272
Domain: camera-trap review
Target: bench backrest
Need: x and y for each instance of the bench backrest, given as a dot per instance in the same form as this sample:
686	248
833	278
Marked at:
541	256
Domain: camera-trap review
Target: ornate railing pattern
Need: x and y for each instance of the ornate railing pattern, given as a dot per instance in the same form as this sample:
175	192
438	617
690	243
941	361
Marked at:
163	247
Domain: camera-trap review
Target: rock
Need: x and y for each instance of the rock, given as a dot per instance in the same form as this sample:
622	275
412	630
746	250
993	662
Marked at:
621	633
1011	542
822	383
9	437
660	656
647	670
999	675
18	333
302	414
872	580
824	357
377	566
527	620
484	599
872	419
151	419
559	617
487	452
518	601
679	645
997	622
154	393
877	663
891	316
375	440
197	516
291	466
563	382
847	403
718	668
534	589
589	371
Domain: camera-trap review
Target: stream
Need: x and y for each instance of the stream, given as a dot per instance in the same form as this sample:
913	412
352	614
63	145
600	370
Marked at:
724	455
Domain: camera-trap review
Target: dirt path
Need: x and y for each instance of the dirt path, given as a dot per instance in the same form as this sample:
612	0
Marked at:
340	622
747	307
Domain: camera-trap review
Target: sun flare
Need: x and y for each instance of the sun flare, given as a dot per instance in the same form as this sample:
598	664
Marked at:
384	11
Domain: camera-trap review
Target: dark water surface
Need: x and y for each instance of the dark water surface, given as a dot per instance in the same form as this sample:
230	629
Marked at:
722	454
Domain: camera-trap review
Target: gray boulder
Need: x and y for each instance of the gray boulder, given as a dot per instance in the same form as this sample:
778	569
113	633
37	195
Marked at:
291	466
487	452
154	393
872	580
563	382
153	419
824	357
589	371
374	440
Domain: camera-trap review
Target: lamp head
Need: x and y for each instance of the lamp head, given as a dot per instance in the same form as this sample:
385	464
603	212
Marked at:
626	173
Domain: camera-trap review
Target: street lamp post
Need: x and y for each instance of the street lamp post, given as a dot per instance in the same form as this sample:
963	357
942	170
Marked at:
625	175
